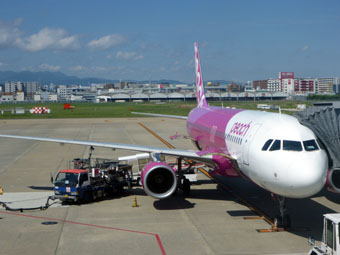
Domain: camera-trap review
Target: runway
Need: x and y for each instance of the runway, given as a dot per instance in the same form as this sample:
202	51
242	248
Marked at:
210	221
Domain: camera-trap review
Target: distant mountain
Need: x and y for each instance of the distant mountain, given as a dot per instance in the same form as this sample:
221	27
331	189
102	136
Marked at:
163	81
60	78
48	77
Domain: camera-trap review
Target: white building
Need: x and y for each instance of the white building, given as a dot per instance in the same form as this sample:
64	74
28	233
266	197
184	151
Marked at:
7	98
52	97
274	85
37	97
64	93
19	96
328	85
12	87
288	86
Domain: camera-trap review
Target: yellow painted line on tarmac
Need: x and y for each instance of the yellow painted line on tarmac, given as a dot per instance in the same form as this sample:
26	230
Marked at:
157	136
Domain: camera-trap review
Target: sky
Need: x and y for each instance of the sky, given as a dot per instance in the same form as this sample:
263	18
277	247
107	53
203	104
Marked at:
238	40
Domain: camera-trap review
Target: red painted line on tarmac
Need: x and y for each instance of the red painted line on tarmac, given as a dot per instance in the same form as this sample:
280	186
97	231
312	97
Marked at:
159	242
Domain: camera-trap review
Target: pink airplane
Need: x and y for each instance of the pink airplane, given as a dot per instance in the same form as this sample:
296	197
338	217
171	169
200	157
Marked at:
271	150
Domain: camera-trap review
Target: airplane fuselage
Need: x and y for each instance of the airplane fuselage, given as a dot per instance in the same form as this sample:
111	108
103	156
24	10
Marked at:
272	150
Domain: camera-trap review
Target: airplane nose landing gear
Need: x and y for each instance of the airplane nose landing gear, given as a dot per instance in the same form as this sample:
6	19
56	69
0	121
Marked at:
283	220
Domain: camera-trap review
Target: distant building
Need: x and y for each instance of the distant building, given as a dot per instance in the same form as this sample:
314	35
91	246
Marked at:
48	96
303	86
7	98
36	97
53	97
109	86
274	84
233	87
64	93
30	88
19	97
328	85
287	86
12	87
260	85
285	75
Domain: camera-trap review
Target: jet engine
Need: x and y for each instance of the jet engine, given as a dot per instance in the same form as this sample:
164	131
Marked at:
333	180
159	179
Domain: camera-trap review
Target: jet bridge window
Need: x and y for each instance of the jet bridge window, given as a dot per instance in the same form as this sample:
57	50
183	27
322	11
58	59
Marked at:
267	144
276	146
292	145
310	145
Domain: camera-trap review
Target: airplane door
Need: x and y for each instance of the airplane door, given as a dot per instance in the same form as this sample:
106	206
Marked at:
248	139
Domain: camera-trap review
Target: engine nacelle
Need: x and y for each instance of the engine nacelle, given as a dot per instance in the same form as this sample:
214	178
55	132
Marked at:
159	179
333	180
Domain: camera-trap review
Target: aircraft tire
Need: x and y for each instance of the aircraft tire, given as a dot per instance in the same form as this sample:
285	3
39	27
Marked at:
186	187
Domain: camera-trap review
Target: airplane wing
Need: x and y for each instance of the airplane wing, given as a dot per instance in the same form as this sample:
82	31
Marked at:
187	154
161	115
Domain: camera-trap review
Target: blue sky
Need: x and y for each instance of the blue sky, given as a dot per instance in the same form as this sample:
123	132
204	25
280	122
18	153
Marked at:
142	40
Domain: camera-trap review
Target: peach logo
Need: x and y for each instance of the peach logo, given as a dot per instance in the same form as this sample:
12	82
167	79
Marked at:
240	129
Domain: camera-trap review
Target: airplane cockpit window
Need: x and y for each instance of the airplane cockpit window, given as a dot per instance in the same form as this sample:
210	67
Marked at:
267	144
310	145
276	146
292	145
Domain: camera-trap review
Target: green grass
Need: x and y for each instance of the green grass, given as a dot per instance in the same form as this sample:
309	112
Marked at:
116	110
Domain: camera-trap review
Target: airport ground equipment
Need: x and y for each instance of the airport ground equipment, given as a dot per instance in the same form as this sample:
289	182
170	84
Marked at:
91	179
330	243
324	121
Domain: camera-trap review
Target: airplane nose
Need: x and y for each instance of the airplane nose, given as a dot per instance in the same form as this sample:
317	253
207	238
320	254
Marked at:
307	176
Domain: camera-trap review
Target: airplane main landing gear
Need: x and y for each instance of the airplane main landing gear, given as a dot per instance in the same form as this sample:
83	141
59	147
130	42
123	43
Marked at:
183	183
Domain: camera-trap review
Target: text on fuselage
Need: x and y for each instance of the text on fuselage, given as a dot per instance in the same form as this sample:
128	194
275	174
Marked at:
240	129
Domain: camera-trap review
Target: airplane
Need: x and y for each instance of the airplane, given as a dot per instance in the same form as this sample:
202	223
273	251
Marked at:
272	150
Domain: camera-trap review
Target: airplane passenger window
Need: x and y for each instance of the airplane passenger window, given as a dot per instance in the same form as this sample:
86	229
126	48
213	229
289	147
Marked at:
292	145
267	144
310	145
276	146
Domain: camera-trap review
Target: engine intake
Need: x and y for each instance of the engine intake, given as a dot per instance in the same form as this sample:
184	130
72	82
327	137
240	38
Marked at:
159	179
333	180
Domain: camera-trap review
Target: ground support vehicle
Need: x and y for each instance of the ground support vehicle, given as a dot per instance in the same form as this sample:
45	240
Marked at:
91	179
330	243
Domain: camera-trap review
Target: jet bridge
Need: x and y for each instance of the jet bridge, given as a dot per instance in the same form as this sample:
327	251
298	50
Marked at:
324	121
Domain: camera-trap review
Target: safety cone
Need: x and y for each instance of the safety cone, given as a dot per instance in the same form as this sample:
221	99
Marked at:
135	203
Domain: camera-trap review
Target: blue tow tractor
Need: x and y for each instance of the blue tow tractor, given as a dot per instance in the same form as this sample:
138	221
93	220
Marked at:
89	183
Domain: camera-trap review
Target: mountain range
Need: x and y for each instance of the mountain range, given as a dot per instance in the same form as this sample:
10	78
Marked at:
60	78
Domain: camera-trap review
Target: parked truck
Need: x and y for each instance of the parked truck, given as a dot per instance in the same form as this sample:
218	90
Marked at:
330	243
91	179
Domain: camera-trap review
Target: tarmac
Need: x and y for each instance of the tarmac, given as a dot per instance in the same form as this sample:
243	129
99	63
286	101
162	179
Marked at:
210	221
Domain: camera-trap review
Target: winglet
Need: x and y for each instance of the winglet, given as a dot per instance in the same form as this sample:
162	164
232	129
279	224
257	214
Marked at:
200	96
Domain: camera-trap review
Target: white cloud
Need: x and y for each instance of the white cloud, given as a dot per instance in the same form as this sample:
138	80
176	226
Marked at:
305	48
77	68
49	67
128	55
107	41
48	38
8	33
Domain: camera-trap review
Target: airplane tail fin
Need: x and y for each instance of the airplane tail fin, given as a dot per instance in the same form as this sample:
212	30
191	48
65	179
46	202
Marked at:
200	96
